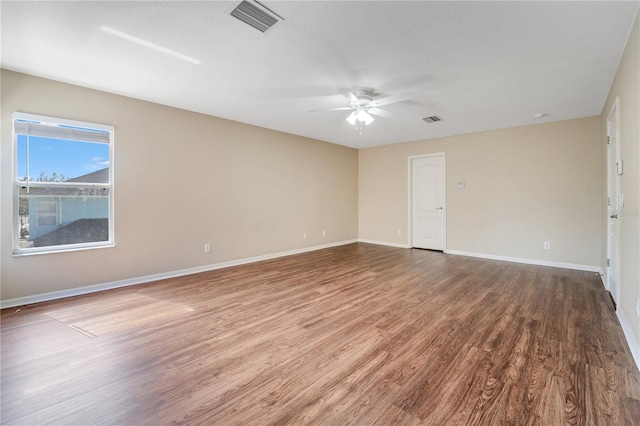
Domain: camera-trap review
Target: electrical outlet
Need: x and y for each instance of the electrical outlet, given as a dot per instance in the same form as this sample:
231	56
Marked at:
324	232
547	245
399	232
207	248
304	235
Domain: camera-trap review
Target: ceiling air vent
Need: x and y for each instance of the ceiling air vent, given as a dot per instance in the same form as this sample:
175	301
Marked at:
432	119
256	15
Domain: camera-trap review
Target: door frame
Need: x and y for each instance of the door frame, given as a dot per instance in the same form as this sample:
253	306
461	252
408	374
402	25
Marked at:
613	118
410	195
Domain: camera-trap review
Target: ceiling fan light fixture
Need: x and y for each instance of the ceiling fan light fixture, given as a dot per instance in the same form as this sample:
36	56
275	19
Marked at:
368	120
352	118
363	116
363	106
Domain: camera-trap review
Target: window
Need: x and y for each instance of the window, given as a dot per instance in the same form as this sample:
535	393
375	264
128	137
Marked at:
47	213
63	184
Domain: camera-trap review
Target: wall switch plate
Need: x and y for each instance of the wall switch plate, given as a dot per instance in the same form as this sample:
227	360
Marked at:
304	235
207	248
547	245
460	185
399	232
324	232
638	307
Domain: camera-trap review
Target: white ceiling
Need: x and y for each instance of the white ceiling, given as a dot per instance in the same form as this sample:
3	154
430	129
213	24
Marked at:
478	65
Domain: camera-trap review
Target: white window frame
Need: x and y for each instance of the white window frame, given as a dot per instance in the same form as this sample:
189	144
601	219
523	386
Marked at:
55	122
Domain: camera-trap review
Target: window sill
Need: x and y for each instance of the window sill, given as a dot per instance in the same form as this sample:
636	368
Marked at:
63	250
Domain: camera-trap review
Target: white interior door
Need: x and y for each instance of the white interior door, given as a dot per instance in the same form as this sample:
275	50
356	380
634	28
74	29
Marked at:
428	202
613	204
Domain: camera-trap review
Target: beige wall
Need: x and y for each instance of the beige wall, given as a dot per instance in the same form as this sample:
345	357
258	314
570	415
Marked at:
182	179
524	186
626	87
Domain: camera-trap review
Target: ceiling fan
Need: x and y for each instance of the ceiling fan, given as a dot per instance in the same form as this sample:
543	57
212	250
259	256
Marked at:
363	106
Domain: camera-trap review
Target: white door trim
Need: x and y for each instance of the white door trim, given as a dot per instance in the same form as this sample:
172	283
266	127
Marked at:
410	195
611	171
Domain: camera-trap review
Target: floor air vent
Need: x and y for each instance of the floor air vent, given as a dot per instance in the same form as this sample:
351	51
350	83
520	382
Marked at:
432	119
256	15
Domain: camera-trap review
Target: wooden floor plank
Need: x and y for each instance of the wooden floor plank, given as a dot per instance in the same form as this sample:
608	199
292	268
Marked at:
357	334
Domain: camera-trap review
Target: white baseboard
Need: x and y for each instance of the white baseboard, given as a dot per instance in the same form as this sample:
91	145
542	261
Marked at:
631	340
604	280
43	297
577	266
626	329
384	243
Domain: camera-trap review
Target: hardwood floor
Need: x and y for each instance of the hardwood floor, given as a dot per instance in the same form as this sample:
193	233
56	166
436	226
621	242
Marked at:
357	334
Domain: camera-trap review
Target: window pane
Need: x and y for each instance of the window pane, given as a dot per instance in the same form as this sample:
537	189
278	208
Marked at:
47	213
58	160
61	216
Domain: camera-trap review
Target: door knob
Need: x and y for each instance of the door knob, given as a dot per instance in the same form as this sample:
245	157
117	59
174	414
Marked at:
614	216
439	208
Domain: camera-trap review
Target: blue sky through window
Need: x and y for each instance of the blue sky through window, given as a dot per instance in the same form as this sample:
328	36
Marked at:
69	158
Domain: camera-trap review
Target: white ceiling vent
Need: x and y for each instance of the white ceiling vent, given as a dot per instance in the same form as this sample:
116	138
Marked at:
255	14
432	119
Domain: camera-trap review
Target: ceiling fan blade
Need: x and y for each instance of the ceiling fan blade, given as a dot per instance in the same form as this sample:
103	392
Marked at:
332	109
349	95
389	100
383	113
